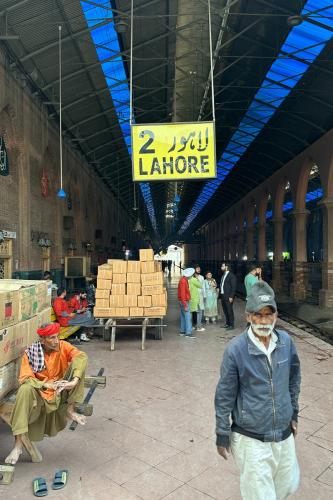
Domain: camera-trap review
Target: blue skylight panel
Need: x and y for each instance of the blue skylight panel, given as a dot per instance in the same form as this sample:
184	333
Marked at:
107	45
304	41
324	16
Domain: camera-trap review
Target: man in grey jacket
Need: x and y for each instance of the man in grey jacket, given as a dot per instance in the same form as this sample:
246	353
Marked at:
256	402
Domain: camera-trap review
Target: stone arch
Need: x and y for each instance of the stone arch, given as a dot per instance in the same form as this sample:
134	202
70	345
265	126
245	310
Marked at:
300	186
279	198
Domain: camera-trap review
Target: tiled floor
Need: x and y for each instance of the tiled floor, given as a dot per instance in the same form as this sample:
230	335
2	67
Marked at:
152	432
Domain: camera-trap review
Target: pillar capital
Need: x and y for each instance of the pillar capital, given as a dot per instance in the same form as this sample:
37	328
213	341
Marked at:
326	202
299	212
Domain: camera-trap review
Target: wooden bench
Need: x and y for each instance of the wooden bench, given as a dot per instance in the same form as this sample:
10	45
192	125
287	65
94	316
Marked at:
65	331
6	408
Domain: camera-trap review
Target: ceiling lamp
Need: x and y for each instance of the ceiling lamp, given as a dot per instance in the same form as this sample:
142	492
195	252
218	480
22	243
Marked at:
121	25
138	227
61	193
294	20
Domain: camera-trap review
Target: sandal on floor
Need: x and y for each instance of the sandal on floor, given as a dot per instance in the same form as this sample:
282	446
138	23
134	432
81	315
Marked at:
60	479
39	487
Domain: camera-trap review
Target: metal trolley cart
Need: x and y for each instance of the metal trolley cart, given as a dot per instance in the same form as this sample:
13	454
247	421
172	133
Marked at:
143	322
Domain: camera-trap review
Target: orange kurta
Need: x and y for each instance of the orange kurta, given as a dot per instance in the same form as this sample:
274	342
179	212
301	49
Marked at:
56	365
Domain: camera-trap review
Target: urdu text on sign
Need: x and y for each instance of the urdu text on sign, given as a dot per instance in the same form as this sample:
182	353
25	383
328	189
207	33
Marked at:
173	151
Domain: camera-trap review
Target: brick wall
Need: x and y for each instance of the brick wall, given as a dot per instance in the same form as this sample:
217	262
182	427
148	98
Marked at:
32	145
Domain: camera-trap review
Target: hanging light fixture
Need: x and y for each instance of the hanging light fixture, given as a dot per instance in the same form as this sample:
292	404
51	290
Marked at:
294	20
121	25
61	193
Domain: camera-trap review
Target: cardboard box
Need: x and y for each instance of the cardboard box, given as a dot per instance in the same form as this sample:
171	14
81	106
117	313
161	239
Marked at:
155	311
15	339
33	296
27	296
133	278
152	290
104	284
157	265
152	278
159	300
148	267
136	311
9	377
146	254
118	266
118	289
130	300
116	300
101	303
34	325
105	273
44	317
119	278
144	301
133	266
44	295
120	312
102	294
102	312
9	308
133	289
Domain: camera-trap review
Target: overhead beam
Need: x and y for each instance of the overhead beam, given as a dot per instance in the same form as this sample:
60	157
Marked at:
108	59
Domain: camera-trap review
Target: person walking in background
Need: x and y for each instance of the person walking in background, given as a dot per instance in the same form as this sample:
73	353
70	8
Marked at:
202	295
227	294
252	278
184	297
195	291
169	264
256	402
210	287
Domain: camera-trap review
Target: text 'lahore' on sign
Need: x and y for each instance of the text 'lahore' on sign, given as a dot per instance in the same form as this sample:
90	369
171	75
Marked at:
173	151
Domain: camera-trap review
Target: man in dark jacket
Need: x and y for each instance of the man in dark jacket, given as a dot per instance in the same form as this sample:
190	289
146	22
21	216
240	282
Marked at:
259	388
227	295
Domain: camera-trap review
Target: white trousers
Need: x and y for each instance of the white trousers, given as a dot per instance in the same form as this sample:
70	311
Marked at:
268	471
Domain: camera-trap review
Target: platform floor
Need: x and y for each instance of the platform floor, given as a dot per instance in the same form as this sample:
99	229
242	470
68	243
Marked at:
152	432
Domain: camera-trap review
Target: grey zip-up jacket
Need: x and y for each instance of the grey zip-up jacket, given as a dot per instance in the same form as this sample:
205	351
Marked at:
261	399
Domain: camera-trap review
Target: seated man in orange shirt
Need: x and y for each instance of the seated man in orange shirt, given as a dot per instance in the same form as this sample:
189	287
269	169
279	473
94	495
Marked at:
66	316
51	383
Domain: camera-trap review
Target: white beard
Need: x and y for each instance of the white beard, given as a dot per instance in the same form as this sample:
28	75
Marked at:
263	330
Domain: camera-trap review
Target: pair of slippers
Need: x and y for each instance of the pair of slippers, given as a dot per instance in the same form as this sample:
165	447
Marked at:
39	485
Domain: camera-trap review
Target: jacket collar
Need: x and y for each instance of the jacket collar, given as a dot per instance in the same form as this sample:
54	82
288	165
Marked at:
253	349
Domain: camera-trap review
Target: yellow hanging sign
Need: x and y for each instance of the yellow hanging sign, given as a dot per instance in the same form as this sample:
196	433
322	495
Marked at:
173	151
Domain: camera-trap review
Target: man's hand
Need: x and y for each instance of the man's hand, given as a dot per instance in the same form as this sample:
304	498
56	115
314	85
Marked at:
72	315
64	385
294	427
50	385
224	452
231	300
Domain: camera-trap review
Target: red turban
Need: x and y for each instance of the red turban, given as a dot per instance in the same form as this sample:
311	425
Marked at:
48	329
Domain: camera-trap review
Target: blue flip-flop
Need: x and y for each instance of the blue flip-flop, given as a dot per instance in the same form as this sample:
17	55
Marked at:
39	487
60	479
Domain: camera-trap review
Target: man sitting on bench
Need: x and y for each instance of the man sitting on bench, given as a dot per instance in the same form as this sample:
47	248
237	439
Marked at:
51	383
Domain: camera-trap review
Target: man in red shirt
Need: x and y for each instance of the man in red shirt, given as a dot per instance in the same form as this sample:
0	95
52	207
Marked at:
184	297
66	316
79	302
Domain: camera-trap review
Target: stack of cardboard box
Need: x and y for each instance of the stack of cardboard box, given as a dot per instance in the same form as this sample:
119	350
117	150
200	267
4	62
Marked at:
24	306
131	288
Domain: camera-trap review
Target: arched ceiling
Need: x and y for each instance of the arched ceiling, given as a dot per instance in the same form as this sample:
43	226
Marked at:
171	83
